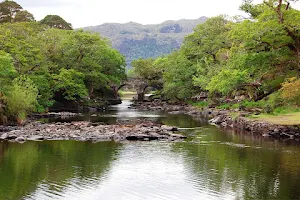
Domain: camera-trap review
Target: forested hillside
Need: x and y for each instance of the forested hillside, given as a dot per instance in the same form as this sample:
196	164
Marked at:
47	63
253	61
146	41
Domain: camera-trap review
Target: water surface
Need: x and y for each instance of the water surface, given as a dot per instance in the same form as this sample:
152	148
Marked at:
211	164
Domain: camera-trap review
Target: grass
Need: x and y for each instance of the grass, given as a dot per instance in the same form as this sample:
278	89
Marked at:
234	115
127	92
280	119
200	104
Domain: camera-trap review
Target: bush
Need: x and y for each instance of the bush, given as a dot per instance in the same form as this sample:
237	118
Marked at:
200	104
224	106
22	98
291	91
252	104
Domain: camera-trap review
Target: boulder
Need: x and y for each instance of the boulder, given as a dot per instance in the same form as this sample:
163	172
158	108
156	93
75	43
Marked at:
20	139
169	128
36	138
4	136
11	137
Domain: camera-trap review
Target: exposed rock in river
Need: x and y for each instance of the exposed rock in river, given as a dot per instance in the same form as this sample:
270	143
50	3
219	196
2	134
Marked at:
258	127
86	131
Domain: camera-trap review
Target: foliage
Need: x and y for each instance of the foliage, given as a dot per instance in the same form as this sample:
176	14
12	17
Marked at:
177	76
201	104
61	65
224	106
21	97
55	21
70	84
24	16
10	11
149	70
291	91
226	59
7	70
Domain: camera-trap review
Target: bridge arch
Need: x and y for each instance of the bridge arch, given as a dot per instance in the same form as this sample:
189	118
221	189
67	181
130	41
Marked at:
137	84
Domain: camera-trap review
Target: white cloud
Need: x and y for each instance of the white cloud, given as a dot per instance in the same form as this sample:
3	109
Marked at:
94	12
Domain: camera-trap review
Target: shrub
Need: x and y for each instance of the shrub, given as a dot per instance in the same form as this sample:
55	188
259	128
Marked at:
22	98
200	104
224	106
291	91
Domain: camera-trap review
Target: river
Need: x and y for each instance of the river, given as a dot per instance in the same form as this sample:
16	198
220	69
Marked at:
211	164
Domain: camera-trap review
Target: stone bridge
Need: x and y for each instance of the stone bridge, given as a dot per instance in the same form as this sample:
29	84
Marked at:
137	84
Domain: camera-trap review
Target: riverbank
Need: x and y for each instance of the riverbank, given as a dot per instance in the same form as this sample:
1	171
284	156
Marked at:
235	119
86	131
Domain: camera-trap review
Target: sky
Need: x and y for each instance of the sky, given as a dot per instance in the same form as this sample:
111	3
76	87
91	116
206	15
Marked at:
82	13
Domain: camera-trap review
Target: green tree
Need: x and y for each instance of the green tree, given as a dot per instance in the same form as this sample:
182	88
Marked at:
55	21
7	71
8	11
23	16
178	77
92	55
207	49
70	84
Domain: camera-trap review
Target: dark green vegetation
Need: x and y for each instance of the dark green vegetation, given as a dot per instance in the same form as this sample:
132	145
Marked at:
45	63
236	62
146	41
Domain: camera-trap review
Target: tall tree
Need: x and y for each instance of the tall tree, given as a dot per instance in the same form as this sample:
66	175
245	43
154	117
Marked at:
55	21
8	11
23	16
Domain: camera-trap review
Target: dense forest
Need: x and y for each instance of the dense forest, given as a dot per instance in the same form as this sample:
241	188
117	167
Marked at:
43	63
234	61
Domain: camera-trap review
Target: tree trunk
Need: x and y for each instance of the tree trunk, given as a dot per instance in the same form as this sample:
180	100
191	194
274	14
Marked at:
279	12
141	97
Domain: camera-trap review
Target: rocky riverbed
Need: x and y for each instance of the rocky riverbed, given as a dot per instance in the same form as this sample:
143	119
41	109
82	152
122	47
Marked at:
86	131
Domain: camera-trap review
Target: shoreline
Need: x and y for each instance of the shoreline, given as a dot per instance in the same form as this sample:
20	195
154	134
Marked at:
225	119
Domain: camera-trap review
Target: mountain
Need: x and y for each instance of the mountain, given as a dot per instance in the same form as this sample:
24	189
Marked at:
144	41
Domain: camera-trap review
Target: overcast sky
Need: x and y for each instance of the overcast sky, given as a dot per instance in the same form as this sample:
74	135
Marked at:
81	13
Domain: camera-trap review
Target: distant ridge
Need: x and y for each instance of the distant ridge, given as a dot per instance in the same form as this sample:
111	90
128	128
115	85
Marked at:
135	40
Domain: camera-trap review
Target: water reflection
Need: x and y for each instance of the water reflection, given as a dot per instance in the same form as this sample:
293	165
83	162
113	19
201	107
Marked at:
123	113
242	167
213	165
51	167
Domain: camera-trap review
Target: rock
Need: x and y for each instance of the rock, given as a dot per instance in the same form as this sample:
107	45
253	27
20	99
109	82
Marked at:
36	138
224	124
20	139
4	136
11	137
132	138
276	130
169	128
80	139
178	136
175	112
216	120
104	137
